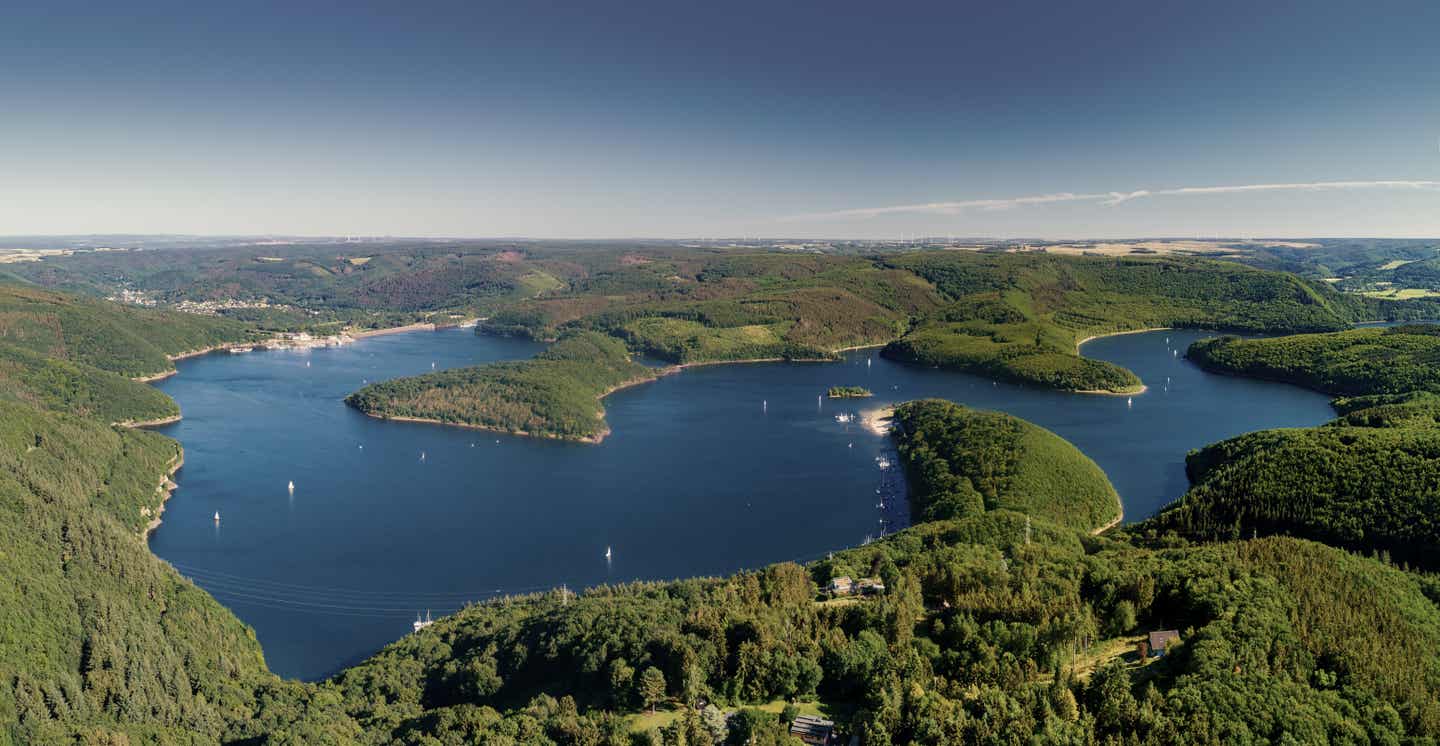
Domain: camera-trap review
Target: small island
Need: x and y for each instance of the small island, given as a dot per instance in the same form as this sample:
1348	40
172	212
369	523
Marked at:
848	392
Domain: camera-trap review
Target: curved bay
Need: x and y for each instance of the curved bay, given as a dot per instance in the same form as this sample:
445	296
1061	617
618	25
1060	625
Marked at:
698	477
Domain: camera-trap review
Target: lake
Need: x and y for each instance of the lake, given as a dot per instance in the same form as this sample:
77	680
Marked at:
708	471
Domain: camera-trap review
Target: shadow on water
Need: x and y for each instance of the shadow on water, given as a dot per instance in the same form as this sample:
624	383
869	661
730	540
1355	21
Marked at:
708	471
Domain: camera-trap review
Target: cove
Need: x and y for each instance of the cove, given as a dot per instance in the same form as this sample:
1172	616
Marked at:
708	471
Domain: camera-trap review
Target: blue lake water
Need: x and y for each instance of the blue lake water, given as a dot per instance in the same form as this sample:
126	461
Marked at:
711	470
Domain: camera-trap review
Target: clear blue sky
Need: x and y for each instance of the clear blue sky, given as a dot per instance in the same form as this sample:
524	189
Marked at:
641	118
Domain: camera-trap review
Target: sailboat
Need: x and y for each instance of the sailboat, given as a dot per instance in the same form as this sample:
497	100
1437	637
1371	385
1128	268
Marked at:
422	455
307	363
607	554
217	516
419	625
1129	401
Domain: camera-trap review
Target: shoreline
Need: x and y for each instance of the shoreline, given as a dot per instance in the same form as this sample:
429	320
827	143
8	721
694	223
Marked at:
595	439
1143	388
423	326
746	361
1102	392
352	334
167	488
1116	334
880	421
592	439
157	422
183	356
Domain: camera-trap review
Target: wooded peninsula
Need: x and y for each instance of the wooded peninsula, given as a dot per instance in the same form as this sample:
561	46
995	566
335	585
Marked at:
1013	317
997	618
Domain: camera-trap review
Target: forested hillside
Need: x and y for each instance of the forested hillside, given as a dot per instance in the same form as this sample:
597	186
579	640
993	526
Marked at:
99	641
127	340
1366	480
1013	316
95	633
962	462
1016	316
1001	620
1019	317
50	383
1392	360
555	394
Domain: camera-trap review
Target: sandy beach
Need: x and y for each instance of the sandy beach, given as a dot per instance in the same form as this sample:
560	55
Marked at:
1116	334
1143	388
422	327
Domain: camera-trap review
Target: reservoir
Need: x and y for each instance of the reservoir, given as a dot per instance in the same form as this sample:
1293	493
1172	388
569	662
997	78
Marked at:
707	471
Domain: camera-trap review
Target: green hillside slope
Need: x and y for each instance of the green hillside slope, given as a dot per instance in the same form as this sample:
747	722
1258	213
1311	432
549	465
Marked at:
127	340
1391	360
555	394
1019	317
961	462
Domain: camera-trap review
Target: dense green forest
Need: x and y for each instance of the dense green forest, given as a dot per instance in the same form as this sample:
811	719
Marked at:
1016	316
1391	360
980	638
1019	317
100	642
333	280
50	383
848	392
1367	480
555	394
1013	316
1003	619
962	462
127	340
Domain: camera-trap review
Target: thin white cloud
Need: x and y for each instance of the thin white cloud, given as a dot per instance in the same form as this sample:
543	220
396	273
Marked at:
1108	199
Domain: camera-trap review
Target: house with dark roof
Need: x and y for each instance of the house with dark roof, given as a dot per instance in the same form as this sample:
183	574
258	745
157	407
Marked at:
1158	642
869	586
813	730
